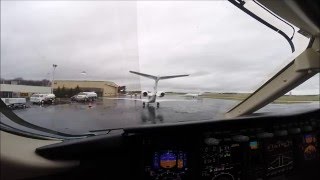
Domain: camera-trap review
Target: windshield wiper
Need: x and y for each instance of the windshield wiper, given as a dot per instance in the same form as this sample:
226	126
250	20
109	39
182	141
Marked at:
104	130
240	4
16	131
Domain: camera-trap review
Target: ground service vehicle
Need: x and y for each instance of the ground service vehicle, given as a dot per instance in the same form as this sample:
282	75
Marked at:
15	103
85	96
42	98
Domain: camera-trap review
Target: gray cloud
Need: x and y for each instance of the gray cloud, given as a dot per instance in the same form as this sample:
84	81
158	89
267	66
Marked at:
218	45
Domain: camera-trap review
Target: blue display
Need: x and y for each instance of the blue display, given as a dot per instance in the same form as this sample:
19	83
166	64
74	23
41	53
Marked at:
169	159
168	156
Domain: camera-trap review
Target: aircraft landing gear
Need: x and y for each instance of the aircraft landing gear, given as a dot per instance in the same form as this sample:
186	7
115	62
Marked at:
158	104
143	104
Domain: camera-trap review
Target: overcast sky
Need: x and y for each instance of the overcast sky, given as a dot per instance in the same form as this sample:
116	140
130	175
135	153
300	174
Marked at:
222	48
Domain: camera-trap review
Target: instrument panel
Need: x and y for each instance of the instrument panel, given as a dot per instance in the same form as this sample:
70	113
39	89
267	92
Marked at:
265	148
279	150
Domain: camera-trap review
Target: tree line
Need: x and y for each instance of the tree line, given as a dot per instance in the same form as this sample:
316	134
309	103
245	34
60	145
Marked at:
66	92
21	81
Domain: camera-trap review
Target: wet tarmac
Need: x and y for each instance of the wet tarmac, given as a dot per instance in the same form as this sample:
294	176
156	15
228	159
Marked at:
77	118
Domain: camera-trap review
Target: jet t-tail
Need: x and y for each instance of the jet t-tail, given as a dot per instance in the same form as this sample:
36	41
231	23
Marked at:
152	95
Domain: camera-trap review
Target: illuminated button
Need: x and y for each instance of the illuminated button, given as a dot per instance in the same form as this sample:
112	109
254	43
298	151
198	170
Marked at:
294	130
265	135
211	141
281	133
240	138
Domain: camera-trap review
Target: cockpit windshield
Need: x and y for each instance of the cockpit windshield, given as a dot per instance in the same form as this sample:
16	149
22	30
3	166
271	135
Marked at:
143	62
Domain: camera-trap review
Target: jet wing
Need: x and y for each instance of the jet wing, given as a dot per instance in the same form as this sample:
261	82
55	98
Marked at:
130	99
175	76
146	100
144	75
171	100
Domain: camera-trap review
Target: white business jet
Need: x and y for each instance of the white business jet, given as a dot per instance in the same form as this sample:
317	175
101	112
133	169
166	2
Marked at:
152	96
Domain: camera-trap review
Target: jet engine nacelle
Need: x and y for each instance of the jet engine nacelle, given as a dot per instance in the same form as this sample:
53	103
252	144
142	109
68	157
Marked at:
144	93
161	94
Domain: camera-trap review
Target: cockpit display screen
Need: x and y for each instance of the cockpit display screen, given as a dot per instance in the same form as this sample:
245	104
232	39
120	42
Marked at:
310	151
169	159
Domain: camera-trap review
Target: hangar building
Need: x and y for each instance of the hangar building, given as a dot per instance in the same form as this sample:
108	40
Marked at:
102	88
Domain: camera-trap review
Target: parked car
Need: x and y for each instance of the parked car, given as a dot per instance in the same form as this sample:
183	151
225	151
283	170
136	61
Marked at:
42	98
85	96
73	98
15	103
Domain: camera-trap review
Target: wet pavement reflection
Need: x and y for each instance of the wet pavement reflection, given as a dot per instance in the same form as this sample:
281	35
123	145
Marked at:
151	115
106	113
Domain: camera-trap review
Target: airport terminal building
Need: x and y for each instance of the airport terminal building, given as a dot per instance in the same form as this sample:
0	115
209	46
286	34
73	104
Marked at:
102	88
